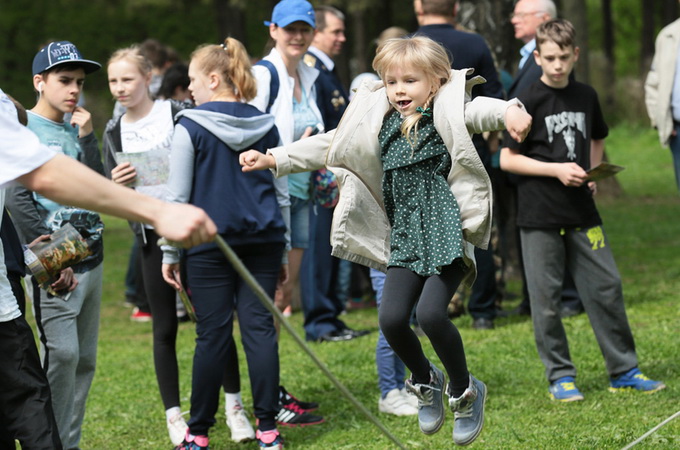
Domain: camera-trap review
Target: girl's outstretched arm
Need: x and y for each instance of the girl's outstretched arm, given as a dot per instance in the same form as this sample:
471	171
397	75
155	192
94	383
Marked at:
517	122
251	160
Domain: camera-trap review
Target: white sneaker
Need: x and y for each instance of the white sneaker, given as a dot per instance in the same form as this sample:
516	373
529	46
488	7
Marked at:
410	398
177	428
395	403
238	423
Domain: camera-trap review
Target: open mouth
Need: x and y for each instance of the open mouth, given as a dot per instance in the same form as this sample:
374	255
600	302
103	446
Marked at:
404	103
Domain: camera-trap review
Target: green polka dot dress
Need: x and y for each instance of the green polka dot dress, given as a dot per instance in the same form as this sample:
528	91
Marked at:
424	215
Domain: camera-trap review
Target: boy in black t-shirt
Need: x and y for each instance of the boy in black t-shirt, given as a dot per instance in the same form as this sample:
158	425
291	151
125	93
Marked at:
559	221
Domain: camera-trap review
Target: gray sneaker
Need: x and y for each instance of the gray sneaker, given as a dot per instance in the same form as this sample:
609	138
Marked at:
468	410
430	400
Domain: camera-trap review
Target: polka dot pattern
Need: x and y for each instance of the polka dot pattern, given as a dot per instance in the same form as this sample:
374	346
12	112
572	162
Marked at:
424	215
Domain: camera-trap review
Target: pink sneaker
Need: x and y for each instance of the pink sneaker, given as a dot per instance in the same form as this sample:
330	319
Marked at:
269	439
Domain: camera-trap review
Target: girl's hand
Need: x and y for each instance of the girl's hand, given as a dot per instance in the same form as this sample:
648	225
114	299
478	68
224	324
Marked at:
593	187
283	276
83	119
171	276
517	122
570	174
251	160
123	173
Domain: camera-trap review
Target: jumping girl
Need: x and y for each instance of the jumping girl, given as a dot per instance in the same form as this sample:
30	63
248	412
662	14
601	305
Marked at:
414	200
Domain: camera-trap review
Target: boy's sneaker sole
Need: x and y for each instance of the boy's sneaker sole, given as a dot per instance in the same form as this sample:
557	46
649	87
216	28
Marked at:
631	389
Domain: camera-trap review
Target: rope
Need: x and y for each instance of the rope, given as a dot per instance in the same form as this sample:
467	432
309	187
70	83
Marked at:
269	304
652	431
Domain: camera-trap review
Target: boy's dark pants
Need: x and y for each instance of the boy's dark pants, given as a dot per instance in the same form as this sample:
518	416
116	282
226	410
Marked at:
591	263
25	403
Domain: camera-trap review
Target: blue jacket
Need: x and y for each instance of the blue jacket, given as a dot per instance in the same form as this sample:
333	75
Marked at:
205	171
331	97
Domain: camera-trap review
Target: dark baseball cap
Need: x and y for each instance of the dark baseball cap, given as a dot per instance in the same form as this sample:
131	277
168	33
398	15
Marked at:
62	52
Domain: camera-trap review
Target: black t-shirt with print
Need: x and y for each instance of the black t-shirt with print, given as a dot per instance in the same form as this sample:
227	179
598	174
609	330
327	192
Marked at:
564	122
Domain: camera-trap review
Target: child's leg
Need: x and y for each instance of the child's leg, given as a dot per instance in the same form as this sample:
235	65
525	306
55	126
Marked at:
88	332
443	334
161	298
598	281
257	330
401	291
543	254
213	283
390	368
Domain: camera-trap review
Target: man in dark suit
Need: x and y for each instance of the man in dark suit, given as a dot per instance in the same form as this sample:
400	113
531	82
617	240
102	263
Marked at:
436	19
318	275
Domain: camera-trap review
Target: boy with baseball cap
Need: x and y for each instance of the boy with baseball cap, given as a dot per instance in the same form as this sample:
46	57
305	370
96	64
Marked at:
67	311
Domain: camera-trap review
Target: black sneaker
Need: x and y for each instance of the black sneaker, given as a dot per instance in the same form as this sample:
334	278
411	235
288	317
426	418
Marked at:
291	415
285	398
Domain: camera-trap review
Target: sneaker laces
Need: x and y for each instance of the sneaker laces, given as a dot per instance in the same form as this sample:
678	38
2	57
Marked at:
568	385
292	406
424	393
238	415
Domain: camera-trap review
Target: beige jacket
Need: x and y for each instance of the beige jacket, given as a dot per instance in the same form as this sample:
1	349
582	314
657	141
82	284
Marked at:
360	230
659	82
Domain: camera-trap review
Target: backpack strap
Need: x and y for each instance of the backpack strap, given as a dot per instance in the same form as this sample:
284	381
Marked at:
273	83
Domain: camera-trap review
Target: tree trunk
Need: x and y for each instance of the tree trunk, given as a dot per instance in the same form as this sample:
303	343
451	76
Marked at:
490	18
669	11
647	34
576	12
230	20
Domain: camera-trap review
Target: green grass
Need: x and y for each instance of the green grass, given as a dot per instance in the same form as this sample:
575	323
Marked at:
125	410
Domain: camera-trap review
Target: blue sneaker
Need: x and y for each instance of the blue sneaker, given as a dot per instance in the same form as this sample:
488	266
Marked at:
565	390
634	379
468	410
430	400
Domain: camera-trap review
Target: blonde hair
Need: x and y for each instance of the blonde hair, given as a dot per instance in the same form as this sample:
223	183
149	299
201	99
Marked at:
419	52
135	56
231	61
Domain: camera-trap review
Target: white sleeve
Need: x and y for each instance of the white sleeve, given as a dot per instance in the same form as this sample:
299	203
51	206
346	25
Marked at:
263	78
20	149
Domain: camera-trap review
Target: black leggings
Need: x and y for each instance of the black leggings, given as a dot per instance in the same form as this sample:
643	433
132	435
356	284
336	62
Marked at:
161	297
403	289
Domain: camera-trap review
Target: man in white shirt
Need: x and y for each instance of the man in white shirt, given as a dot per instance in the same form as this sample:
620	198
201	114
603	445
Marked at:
25	405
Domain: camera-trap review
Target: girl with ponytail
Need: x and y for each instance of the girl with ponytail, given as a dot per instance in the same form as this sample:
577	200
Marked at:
205	170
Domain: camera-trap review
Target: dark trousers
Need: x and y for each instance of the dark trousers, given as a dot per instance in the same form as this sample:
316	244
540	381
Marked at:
404	289
318	278
217	292
25	402
161	300
482	303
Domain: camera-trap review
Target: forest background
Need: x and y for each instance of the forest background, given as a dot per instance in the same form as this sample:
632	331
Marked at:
617	37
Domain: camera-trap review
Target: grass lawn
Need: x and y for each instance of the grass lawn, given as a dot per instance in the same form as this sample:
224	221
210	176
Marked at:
125	411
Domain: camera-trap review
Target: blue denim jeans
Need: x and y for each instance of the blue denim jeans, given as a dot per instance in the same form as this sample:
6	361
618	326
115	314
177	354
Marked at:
675	151
391	370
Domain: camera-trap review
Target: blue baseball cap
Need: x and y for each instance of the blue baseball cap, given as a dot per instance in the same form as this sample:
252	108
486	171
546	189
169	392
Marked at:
62	52
289	11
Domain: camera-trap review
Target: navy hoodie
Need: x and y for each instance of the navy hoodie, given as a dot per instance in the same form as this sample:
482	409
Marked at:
205	171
